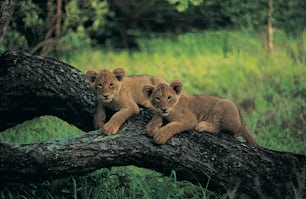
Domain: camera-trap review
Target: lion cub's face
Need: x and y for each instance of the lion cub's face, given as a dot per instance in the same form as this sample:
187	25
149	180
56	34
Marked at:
105	83
164	97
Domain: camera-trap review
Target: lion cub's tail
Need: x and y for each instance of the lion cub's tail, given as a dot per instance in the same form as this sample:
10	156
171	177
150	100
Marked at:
244	132
247	135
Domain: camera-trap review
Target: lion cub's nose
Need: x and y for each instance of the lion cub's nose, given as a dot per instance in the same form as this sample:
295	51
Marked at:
164	109
105	95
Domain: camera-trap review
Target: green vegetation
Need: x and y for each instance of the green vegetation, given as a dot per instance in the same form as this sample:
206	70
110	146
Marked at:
118	182
38	27
38	129
269	89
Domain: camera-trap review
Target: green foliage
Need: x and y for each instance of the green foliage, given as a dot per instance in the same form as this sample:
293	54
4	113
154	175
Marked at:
78	13
30	15
291	16
17	35
75	40
182	5
247	14
119	24
16	41
33	21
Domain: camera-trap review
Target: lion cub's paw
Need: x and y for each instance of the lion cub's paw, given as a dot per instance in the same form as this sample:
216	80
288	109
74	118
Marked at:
161	137
151	131
110	129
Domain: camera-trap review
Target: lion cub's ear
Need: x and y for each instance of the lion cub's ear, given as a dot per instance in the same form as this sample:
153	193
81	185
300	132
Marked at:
177	86
148	90
91	77
119	73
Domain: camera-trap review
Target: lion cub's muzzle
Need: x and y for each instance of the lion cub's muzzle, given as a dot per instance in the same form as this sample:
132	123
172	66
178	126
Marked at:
105	98
164	111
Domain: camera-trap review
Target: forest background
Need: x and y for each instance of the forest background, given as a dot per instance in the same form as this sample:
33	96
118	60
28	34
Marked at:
252	52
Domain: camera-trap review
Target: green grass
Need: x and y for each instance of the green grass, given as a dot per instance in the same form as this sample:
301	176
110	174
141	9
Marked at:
269	89
118	182
38	129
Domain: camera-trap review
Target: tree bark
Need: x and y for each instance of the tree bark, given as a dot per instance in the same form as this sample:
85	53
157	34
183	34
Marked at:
6	11
270	27
245	170
32	86
58	26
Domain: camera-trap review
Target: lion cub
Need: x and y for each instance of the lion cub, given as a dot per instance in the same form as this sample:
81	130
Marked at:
191	112
120	94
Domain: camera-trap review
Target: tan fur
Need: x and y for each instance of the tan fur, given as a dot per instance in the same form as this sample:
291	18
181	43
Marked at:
118	93
191	112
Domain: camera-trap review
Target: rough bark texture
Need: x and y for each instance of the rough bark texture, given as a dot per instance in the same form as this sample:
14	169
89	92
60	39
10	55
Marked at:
6	11
31	86
270	26
229	164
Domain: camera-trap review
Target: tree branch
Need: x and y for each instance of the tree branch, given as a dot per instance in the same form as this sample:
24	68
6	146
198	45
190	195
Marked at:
244	169
32	86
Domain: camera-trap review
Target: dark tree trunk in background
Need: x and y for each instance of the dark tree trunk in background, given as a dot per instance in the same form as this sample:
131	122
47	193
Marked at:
32	86
270	27
6	11
58	26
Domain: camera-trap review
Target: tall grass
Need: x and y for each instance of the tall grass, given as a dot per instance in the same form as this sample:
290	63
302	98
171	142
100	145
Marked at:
269	89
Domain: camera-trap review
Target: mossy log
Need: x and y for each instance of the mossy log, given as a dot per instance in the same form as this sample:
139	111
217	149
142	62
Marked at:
31	86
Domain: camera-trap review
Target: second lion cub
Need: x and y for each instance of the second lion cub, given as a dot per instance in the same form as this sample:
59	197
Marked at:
120	94
191	112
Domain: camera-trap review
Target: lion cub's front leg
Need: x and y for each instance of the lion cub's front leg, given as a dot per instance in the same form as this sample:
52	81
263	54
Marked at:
113	125
99	117
154	124
165	133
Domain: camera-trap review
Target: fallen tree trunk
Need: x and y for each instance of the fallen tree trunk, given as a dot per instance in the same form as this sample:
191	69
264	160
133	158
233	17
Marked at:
231	165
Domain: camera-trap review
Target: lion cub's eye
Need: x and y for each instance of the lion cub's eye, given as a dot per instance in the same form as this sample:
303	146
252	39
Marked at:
99	85
157	99
169	98
111	85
